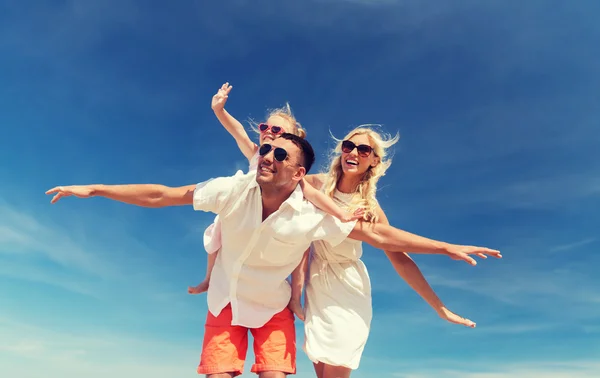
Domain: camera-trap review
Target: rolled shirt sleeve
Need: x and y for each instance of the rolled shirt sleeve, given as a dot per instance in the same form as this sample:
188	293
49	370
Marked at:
217	194
333	230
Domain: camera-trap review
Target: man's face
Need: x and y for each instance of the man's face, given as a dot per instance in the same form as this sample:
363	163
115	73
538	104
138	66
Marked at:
280	173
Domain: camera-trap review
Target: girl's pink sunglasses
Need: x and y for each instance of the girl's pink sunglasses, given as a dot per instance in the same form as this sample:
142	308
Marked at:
263	127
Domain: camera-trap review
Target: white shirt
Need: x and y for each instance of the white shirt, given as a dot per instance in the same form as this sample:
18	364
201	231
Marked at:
256	257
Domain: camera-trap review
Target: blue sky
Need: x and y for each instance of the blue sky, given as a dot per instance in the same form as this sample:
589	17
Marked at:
497	107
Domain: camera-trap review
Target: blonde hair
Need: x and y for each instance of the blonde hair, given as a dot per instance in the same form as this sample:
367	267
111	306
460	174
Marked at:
284	112
364	197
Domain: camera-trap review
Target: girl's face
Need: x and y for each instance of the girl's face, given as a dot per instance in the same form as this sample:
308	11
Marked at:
274	127
358	155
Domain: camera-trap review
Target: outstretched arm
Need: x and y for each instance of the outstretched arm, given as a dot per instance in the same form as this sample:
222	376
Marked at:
388	238
410	272
326	203
232	125
146	195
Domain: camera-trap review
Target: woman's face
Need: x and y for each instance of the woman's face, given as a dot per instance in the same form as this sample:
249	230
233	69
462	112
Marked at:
358	155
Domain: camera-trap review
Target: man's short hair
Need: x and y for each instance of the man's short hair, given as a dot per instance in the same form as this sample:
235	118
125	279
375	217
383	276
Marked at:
306	150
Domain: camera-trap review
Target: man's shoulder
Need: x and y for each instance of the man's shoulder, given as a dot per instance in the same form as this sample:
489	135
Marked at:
308	209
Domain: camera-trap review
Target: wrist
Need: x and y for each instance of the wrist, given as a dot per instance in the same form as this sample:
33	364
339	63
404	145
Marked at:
219	111
96	190
443	248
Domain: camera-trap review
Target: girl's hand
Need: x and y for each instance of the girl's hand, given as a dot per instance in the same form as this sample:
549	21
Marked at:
219	100
357	215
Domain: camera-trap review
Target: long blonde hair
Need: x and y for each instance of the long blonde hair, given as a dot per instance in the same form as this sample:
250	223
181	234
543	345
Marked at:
364	197
284	112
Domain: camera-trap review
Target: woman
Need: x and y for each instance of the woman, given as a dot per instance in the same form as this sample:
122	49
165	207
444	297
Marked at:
338	294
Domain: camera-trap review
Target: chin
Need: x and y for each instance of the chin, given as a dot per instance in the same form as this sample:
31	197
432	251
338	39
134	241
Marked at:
352	171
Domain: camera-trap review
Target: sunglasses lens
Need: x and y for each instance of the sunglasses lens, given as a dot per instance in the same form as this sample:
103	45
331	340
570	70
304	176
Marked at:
347	146
280	154
264	149
263	126
364	150
275	129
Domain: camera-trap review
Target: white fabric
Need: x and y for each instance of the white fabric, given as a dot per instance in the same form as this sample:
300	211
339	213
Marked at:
212	234
338	301
256	257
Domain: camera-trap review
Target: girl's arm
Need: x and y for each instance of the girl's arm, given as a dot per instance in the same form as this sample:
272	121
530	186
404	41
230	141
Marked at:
232	125
410	272
326	203
298	279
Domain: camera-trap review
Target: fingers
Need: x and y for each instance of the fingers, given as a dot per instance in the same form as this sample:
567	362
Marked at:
58	196
471	261
53	190
482	255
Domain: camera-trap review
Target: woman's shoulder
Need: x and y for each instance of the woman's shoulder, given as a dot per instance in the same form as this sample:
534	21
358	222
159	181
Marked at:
317	180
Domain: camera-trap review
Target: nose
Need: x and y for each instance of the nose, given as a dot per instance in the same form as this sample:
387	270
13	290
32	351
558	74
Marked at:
354	152
268	157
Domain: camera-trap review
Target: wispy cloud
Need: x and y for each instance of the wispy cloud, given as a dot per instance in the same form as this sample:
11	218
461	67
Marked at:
22	233
573	246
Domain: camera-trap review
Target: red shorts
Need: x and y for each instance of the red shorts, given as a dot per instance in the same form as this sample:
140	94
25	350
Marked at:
225	346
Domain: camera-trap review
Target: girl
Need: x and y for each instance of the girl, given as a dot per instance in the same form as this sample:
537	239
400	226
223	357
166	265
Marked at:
338	307
278	122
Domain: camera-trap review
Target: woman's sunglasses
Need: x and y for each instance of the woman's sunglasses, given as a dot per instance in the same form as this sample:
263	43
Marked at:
278	153
263	127
363	150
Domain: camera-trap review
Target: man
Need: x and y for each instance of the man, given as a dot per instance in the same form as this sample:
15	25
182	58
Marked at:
266	227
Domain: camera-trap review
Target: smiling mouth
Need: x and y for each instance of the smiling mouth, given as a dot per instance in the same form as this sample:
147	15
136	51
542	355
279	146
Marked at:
266	169
352	162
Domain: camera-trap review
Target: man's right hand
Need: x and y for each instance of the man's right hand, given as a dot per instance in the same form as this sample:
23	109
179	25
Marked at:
81	191
219	100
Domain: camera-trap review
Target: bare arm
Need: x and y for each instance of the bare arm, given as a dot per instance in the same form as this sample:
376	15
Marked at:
298	280
146	195
388	238
232	125
326	203
237	131
410	272
299	276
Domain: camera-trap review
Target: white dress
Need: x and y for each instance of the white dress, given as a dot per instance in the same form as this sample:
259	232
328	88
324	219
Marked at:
338	301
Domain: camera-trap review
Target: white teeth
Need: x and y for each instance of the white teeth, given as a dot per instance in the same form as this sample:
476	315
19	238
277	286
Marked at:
265	169
353	162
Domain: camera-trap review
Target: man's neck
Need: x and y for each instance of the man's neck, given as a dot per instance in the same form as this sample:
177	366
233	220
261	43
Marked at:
273	198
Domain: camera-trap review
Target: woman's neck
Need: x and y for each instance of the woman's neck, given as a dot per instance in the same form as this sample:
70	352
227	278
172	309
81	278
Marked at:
348	184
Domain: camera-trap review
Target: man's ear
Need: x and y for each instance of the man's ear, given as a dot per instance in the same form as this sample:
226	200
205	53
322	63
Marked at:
299	174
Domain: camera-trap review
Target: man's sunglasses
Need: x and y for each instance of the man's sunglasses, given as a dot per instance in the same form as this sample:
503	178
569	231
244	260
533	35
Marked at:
364	150
263	127
278	153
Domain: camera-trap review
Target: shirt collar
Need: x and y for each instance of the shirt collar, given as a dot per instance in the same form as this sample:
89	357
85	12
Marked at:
295	200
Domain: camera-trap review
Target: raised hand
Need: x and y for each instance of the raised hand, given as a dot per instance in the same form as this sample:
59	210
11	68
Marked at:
463	252
219	100
66	191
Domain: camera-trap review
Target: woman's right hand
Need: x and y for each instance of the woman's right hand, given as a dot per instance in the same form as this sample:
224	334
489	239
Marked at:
219	100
